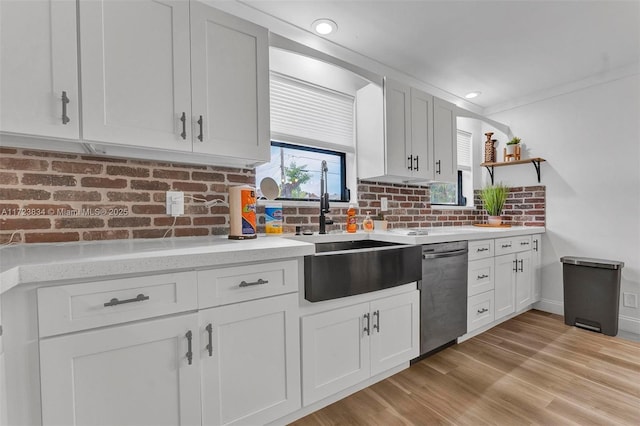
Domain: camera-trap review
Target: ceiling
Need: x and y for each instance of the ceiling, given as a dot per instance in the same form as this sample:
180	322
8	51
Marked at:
508	50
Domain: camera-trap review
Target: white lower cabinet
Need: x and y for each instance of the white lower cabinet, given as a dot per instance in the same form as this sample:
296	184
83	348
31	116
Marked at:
343	347
513	284
536	267
250	361
144	373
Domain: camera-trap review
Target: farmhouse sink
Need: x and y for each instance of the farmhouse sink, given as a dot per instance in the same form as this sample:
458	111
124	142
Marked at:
346	268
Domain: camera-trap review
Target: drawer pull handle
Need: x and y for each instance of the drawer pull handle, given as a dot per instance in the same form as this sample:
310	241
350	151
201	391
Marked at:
506	245
482	311
366	328
200	136
481	249
209	329
259	282
183	119
114	302
524	243
65	101
189	353
376	326
483	276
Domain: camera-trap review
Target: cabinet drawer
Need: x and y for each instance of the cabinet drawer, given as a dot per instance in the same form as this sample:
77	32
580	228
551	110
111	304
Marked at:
236	284
513	244
75	307
480	249
480	310
480	276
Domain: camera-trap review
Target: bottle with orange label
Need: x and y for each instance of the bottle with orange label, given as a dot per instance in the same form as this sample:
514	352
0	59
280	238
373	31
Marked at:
352	226
367	223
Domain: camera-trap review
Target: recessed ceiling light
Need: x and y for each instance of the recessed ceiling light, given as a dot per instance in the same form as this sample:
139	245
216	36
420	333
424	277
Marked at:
472	95
324	26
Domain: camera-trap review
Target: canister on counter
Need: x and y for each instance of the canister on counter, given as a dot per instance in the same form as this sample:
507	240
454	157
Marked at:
273	218
242	212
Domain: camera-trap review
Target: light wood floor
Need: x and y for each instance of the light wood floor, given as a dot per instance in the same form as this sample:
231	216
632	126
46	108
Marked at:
532	369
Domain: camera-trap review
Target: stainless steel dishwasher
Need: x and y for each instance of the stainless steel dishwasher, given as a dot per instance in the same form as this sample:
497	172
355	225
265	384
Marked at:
443	295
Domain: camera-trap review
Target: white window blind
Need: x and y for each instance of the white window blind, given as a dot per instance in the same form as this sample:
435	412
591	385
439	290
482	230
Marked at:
464	150
313	115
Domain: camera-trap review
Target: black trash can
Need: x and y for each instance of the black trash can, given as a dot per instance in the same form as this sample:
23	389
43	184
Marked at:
592	293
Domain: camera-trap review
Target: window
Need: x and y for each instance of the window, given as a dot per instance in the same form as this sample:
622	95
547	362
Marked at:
297	171
309	123
453	193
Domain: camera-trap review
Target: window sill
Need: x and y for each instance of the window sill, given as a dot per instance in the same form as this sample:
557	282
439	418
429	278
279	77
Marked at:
448	207
301	203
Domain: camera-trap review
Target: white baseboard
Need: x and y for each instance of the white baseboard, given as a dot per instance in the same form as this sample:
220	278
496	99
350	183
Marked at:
625	323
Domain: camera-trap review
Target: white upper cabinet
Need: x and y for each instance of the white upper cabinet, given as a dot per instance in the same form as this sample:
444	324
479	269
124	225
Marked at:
39	70
174	75
230	85
135	65
445	141
410	139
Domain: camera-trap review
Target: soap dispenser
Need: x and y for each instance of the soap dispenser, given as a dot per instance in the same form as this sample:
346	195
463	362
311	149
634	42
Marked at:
367	223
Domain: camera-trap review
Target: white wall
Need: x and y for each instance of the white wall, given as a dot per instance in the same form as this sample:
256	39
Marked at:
591	141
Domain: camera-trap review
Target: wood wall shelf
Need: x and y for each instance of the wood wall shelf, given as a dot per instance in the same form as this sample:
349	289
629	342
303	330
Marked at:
535	161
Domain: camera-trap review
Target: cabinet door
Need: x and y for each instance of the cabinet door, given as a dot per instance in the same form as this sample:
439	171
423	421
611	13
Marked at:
505	277
135	72
524	281
230	85
422	134
395	331
38	47
135	374
397	114
536	268
252	374
445	141
335	351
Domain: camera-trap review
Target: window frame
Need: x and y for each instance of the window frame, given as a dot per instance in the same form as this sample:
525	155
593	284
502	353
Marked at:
344	190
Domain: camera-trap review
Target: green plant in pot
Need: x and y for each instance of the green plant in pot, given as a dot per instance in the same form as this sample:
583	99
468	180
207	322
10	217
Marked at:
511	145
494	197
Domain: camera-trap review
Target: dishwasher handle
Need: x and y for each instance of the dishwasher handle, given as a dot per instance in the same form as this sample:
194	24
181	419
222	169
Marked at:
444	254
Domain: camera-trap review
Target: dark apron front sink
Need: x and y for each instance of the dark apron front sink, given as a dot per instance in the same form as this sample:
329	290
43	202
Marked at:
347	268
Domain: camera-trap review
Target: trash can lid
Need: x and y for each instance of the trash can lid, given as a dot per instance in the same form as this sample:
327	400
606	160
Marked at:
594	263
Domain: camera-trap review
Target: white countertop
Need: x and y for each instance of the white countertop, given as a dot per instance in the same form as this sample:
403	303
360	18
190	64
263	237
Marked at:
39	263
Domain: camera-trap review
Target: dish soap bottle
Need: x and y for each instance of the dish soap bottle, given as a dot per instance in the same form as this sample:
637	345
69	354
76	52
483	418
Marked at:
367	223
352	226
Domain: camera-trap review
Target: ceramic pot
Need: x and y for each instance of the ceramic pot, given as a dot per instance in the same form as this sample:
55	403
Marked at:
494	220
511	149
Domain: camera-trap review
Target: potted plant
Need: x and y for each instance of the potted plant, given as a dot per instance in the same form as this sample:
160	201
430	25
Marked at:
379	223
512	147
493	198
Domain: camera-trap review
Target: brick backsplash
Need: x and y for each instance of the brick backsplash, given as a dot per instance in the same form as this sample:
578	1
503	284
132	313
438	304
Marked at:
57	197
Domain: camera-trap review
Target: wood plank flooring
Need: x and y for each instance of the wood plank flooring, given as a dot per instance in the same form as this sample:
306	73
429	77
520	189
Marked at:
532	369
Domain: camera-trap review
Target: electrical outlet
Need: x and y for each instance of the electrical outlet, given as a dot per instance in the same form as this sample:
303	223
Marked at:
384	204
175	203
629	300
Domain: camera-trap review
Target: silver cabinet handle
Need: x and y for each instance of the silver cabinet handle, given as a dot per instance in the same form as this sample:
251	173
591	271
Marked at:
209	329
65	101
183	118
367	329
524	243
259	282
189	353
114	302
482	311
506	245
376	315
200	136
483	276
481	249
